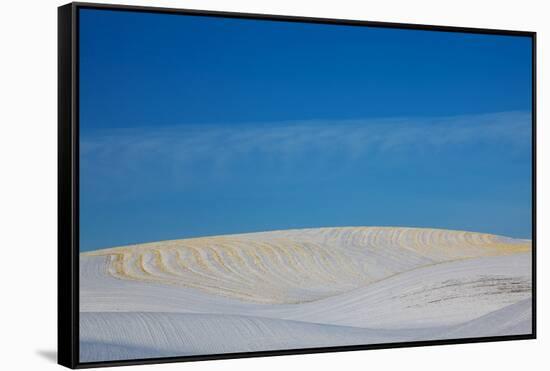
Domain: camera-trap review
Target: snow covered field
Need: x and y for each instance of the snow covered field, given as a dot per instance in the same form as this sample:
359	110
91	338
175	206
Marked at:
301	289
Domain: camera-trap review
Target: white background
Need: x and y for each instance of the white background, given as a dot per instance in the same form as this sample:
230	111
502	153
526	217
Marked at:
28	181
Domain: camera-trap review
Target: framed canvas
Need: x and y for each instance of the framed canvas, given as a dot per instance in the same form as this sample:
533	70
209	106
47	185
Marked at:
242	185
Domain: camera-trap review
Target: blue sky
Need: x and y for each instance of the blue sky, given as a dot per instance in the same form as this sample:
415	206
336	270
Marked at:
195	126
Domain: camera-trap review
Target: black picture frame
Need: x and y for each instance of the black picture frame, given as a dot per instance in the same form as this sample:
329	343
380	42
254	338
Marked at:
68	183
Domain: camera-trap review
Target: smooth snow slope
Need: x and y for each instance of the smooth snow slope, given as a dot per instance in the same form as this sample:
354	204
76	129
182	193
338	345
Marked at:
301	289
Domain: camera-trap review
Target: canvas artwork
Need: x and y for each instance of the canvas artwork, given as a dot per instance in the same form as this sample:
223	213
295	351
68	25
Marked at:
253	185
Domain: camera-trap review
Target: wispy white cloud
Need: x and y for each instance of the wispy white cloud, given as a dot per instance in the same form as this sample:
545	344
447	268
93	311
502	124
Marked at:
182	151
